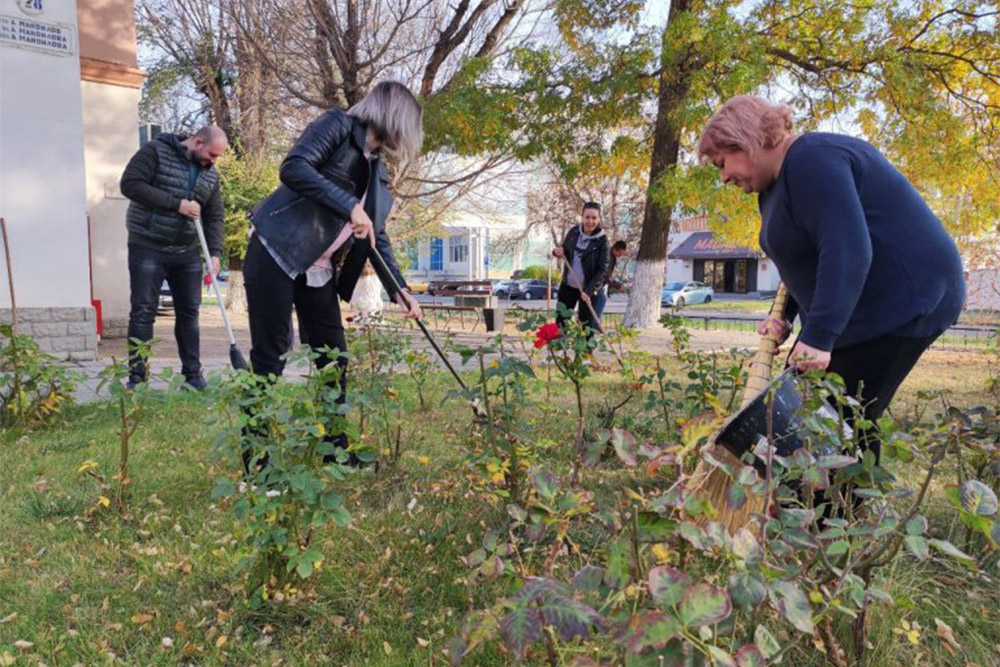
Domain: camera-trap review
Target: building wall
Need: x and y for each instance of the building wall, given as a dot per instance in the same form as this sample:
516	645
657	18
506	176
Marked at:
110	121
42	185
110	89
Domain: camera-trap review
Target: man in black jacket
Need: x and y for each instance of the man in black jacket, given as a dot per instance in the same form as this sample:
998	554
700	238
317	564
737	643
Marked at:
172	181
586	251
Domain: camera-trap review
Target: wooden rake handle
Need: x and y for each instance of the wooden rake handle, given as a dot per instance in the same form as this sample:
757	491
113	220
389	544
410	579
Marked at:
759	375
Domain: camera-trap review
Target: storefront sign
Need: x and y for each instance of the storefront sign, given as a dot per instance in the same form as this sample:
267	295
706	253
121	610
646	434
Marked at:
52	38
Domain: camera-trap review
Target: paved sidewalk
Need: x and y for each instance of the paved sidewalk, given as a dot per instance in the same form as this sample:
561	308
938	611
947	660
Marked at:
215	347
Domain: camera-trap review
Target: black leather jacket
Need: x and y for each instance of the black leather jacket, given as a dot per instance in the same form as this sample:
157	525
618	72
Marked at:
322	178
594	260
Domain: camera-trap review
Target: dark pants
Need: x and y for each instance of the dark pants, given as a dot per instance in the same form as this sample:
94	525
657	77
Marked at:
601	301
270	297
570	297
147	269
874	370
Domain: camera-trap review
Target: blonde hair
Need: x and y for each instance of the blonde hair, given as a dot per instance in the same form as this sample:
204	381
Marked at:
745	123
396	117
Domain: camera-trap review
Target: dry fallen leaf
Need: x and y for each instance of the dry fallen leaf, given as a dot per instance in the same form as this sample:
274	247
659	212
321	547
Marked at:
423	642
23	645
7	659
139	619
167	642
387	648
944	631
221	641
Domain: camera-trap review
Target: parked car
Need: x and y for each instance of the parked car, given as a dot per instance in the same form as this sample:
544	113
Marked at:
680	294
531	289
503	288
166	298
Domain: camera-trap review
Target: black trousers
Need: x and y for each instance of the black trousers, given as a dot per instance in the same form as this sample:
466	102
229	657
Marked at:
147	269
874	370
270	297
570	297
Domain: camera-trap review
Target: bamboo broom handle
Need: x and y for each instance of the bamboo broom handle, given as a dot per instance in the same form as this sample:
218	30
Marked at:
759	375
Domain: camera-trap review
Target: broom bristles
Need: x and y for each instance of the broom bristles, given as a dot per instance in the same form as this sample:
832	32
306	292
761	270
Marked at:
711	483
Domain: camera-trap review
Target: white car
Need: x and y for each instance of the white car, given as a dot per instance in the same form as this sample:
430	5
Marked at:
679	294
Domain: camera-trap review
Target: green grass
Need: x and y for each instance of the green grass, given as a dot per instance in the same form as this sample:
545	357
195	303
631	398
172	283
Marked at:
79	592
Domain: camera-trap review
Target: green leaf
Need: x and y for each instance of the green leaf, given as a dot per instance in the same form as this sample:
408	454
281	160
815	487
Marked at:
835	461
588	578
789	600
949	549
667	585
763	638
653	629
304	568
750	656
616	575
746	591
838	548
546	484
655	528
721	657
341	517
704	604
917	525
978	499
917	546
625	447
223	488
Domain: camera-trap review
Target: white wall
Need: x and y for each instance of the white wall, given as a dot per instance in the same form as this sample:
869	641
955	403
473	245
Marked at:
678	269
767	275
42	186
111	131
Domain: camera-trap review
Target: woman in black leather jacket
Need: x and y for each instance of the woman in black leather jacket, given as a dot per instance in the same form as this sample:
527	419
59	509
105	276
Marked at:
313	235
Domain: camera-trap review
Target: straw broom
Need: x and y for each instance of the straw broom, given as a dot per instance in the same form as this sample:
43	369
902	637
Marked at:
711	483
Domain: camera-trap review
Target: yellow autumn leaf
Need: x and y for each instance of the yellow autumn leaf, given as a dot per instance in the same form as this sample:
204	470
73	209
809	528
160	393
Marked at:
140	619
387	648
221	641
424	460
87	465
104	501
660	552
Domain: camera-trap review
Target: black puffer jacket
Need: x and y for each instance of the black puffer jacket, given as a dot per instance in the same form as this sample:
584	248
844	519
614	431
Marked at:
594	260
156	179
322	179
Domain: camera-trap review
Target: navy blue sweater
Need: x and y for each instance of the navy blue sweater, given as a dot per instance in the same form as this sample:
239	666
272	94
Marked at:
860	251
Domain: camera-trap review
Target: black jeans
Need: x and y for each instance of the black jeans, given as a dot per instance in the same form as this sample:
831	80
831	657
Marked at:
874	370
270	297
147	269
570	297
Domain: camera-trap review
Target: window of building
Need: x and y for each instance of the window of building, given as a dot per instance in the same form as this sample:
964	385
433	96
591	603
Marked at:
437	254
458	246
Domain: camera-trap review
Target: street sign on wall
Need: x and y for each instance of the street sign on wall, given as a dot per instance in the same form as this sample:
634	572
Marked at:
29	33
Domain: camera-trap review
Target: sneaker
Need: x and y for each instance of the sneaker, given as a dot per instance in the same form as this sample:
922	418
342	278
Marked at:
196	383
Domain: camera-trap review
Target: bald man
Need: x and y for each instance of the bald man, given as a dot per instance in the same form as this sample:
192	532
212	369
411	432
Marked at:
170	182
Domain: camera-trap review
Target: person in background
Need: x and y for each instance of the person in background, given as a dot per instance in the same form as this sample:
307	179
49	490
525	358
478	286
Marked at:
585	249
170	182
618	251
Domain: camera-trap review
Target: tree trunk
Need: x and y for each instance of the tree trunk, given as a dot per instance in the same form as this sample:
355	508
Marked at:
643	308
236	294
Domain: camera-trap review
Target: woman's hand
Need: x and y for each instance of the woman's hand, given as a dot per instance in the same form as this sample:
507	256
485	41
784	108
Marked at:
362	225
807	358
557	252
410	305
778	328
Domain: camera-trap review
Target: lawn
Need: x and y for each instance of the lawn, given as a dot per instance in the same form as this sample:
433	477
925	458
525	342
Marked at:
163	585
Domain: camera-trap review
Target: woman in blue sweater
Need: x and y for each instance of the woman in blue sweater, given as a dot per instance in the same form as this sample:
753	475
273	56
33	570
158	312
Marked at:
871	271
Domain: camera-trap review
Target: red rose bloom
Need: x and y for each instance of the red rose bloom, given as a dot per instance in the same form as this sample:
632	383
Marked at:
547	334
